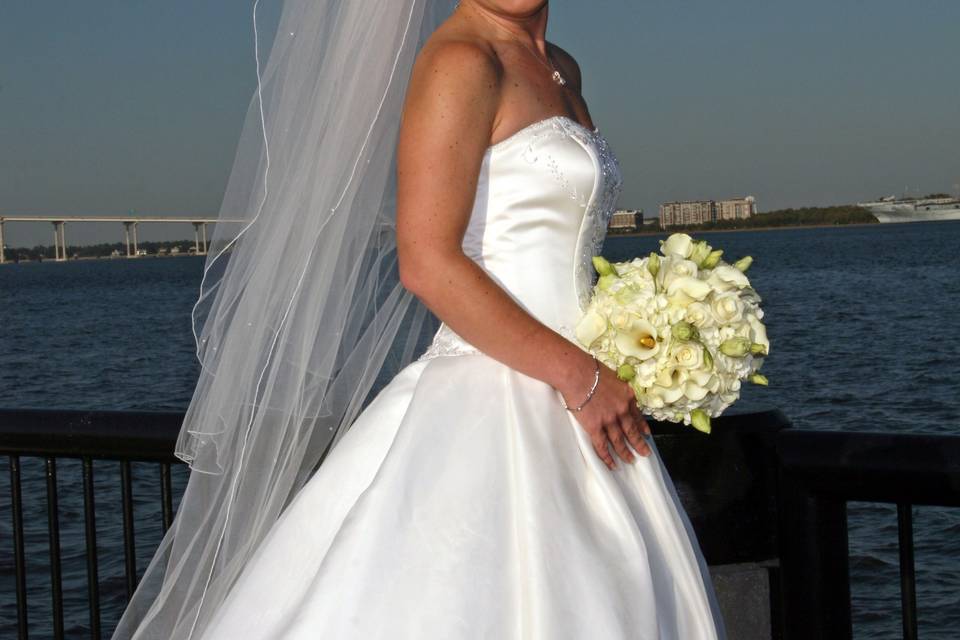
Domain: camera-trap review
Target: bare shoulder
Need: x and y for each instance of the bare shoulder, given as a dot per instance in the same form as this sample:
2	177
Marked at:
454	79
568	65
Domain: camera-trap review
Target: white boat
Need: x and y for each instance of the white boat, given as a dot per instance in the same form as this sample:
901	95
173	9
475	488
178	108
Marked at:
892	209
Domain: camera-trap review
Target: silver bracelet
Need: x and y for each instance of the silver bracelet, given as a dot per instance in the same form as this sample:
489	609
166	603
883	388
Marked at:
596	380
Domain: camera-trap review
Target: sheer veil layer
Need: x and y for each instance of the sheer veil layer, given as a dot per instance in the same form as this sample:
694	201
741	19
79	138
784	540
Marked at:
301	315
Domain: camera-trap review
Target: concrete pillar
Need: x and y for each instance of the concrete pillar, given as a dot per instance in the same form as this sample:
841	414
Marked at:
204	238
196	237
126	236
63	238
135	249
3	257
56	242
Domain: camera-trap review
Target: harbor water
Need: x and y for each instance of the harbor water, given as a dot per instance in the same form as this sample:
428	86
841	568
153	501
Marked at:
861	322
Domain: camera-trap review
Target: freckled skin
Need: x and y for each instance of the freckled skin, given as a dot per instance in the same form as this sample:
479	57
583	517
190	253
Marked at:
476	82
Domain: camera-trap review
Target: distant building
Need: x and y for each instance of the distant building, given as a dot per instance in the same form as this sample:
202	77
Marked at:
626	220
690	212
736	208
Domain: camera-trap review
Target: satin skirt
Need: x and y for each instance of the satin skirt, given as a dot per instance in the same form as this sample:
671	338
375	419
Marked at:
466	502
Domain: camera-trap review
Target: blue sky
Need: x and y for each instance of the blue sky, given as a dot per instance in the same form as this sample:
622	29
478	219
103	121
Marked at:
113	105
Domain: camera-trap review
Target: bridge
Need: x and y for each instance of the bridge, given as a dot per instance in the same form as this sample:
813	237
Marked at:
129	229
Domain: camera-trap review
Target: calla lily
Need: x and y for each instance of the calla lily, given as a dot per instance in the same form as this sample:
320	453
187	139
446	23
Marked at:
724	277
694	392
667	394
638	340
735	347
700	420
759	332
686	289
591	326
758	378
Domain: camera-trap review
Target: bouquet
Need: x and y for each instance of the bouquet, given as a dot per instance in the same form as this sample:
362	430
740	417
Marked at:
683	328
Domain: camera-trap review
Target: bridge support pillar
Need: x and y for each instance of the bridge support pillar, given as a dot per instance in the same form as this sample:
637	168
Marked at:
129	225
59	241
196	237
3	257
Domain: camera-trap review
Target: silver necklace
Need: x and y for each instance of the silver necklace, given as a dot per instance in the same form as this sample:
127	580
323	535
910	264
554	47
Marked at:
554	75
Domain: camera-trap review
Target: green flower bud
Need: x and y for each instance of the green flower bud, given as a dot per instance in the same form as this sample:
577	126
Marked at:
700	252
758	378
735	347
653	263
683	331
625	372
707	358
602	266
743	263
758	349
700	420
711	260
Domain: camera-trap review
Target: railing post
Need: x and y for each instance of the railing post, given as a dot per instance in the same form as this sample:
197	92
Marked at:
814	567
908	587
90	521
19	563
53	530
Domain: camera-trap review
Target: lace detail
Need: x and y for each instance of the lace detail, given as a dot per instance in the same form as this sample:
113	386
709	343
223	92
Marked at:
608	187
447	343
597	217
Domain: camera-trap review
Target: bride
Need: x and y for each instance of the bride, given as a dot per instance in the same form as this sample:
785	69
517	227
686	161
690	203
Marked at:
503	484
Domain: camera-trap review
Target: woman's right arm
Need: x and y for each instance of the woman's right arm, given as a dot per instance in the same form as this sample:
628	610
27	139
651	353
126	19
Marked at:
450	112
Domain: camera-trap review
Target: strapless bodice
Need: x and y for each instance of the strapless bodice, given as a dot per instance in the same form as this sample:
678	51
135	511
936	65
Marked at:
544	197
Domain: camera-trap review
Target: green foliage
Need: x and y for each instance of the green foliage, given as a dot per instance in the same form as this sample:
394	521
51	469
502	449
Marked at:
103	250
836	215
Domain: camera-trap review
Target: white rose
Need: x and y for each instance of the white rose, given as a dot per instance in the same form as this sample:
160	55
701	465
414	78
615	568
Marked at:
688	355
678	244
727	308
698	314
673	267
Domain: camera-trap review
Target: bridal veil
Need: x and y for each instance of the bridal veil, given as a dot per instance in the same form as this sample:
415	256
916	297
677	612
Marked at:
301	315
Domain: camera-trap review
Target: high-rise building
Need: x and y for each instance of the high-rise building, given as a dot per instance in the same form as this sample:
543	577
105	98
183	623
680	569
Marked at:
690	212
626	220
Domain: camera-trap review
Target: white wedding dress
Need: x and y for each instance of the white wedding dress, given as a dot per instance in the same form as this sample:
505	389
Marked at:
465	501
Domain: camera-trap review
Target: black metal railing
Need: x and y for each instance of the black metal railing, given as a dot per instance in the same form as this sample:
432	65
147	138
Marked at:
87	436
755	491
819	473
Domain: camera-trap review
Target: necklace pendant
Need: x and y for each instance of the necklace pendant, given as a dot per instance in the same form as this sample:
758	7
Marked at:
558	78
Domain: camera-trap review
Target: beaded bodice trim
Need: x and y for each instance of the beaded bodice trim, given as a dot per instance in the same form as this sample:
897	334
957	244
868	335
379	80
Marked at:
597	205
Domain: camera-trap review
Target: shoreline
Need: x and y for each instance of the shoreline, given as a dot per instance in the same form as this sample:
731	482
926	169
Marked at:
658	232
